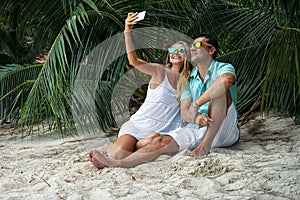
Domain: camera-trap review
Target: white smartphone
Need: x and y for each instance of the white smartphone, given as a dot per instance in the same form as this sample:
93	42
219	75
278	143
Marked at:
141	16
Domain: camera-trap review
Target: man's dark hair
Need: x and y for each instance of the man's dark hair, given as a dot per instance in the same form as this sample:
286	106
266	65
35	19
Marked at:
212	41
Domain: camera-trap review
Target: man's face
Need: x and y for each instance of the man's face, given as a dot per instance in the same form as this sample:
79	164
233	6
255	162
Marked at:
200	51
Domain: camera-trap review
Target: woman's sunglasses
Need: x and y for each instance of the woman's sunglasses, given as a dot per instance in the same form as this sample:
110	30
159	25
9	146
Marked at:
173	49
199	44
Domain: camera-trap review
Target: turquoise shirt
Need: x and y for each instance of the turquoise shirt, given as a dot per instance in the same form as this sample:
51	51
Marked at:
196	87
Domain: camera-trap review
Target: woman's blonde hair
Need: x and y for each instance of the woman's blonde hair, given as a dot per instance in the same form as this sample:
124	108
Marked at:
185	71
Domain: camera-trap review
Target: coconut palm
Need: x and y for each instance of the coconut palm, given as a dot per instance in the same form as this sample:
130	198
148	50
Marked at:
68	30
260	38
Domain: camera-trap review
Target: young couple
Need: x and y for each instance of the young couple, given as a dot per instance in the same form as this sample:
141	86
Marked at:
207	102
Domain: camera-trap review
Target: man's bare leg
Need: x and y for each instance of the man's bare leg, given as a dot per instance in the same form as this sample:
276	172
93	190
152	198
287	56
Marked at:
217	112
158	146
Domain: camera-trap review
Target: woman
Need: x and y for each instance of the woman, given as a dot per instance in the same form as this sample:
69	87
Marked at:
160	112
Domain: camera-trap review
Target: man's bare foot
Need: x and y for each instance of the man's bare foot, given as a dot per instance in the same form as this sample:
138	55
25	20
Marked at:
146	140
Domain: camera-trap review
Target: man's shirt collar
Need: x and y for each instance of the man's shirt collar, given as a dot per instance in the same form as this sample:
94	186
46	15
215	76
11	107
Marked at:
195	72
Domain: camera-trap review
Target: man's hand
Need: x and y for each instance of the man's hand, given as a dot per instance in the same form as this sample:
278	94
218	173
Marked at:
200	151
202	120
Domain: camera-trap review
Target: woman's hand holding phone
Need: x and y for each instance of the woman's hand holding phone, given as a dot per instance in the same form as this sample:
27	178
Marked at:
132	18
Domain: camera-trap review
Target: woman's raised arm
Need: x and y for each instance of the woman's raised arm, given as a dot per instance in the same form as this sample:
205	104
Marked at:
145	67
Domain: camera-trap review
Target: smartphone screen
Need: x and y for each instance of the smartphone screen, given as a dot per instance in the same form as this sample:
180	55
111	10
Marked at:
141	16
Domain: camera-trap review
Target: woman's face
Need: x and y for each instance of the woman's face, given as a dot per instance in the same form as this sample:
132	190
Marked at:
177	54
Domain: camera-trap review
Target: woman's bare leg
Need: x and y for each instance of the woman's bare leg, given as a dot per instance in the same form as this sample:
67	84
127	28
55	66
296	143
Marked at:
158	146
122	147
146	140
102	149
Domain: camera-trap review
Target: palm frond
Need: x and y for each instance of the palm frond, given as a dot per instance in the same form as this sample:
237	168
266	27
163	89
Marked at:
282	86
47	98
250	33
14	83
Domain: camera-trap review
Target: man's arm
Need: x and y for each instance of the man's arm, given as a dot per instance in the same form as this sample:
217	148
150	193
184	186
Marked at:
185	105
188	111
219	87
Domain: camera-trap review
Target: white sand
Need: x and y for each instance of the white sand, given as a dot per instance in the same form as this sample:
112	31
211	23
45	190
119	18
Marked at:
263	165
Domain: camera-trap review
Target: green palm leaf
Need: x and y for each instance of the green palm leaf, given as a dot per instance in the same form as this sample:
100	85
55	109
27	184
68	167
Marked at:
282	86
250	34
50	96
15	82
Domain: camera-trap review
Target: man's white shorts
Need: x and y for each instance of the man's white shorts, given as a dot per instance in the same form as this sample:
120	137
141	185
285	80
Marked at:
228	133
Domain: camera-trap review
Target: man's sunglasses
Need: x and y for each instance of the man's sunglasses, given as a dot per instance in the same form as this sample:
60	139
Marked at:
173	49
199	44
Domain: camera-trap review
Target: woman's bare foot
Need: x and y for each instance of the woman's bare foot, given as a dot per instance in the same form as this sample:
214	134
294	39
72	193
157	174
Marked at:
91	155
101	160
146	140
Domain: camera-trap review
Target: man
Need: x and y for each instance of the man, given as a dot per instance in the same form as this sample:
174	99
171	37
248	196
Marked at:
208	104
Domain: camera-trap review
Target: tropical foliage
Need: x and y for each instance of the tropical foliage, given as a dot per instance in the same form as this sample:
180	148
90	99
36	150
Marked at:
44	44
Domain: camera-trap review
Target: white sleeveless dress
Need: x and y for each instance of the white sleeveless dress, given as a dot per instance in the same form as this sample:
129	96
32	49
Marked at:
160	113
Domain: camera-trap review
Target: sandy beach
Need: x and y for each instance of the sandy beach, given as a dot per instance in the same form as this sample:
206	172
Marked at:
265	164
